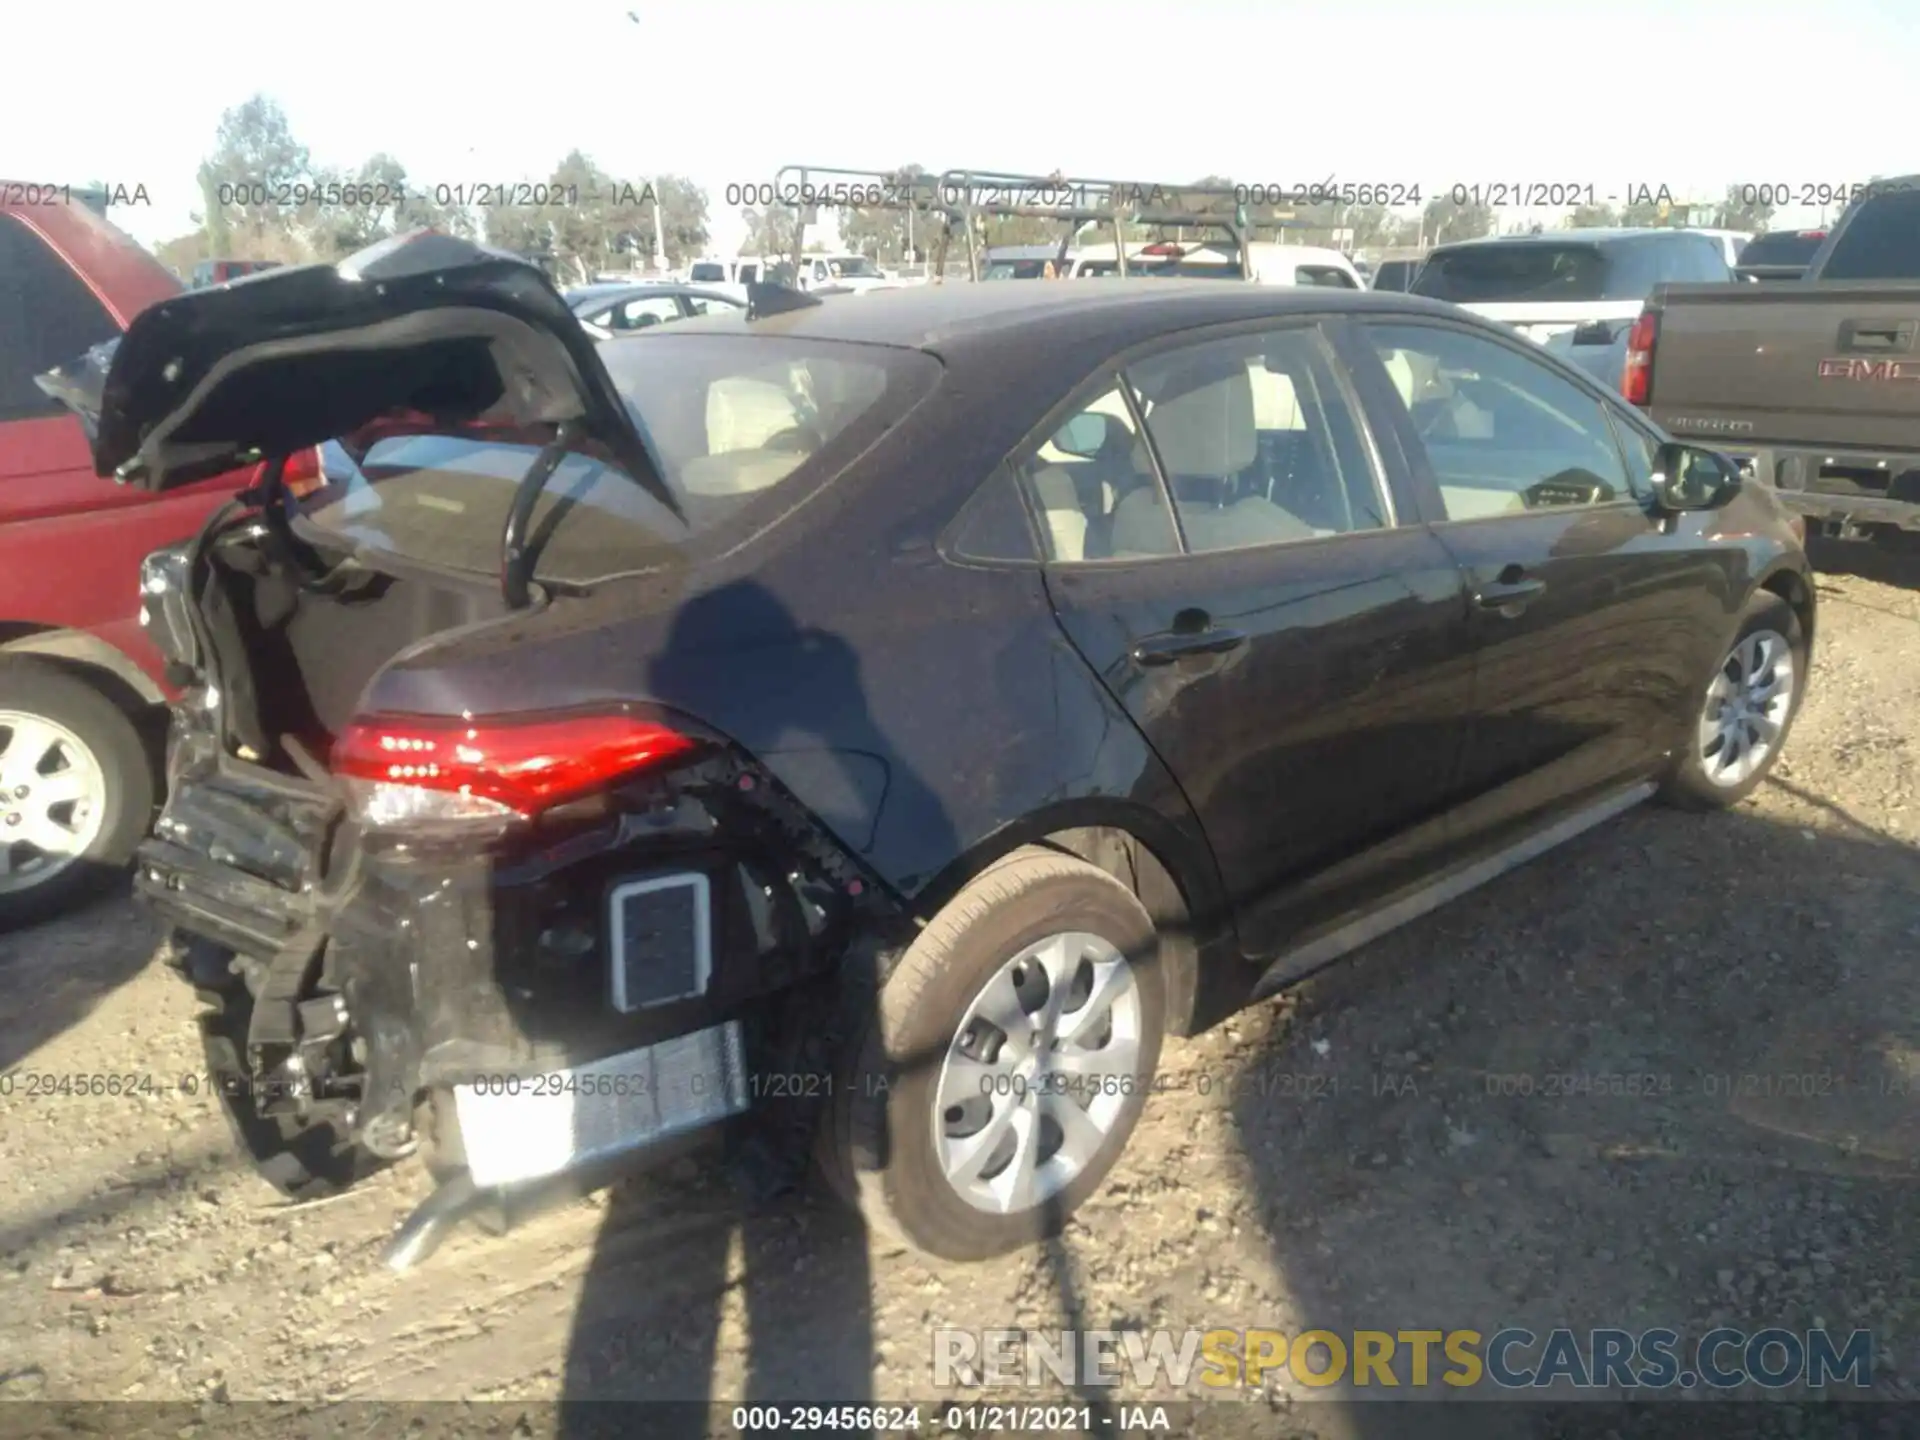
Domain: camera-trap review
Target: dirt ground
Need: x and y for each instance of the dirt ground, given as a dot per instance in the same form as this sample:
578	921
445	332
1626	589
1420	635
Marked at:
1341	1159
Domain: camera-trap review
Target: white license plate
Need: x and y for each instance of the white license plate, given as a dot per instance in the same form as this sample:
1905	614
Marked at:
528	1127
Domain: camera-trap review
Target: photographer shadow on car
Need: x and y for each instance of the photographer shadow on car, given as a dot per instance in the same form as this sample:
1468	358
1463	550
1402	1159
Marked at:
741	1283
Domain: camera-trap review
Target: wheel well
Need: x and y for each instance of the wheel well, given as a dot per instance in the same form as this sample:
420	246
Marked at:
1793	589
1134	863
85	658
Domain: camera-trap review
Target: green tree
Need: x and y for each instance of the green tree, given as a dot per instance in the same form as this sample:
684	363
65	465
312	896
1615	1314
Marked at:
683	216
884	231
1593	217
1447	219
249	185
1645	215
769	231
1744	209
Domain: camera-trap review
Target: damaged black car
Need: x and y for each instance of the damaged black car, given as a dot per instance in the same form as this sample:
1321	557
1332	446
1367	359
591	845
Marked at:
867	730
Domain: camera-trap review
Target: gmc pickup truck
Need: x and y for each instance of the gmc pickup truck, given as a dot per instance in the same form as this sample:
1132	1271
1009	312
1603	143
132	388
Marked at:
1812	385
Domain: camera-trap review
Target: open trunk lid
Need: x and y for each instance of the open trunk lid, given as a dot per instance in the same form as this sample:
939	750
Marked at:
276	362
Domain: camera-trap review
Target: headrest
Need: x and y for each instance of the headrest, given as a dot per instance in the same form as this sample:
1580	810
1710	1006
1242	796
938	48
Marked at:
1208	430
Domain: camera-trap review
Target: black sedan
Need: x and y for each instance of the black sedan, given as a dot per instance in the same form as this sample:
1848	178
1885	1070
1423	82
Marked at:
871	728
614	309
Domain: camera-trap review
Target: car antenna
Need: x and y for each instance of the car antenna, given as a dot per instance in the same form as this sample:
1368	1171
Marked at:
764	299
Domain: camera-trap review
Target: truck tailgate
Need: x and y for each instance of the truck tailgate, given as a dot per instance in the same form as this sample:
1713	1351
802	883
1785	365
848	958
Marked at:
1829	365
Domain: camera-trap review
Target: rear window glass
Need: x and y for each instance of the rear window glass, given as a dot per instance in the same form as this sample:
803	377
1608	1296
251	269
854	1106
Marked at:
1525	272
1881	241
1783	247
733	419
1330	276
707	273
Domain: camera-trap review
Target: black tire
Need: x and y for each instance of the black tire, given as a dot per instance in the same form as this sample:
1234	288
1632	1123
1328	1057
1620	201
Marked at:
1690	785
878	1142
34	687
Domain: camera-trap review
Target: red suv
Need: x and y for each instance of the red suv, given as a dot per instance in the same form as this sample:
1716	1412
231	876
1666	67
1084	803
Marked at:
79	683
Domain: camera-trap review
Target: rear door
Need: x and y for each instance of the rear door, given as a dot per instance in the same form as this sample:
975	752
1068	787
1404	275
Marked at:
1295	656
1591	620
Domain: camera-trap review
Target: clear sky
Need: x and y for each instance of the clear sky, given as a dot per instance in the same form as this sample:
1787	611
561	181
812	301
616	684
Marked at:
1692	94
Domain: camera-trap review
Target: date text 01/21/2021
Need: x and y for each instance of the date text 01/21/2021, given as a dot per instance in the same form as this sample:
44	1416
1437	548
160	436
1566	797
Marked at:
465	194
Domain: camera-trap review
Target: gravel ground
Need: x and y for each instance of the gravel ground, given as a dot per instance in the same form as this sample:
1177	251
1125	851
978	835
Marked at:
1341	1159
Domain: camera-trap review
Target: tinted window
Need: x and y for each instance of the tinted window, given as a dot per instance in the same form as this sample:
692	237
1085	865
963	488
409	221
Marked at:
48	317
1257	441
993	524
1783	247
731	418
1331	276
1395	274
1524	271
640	314
1503	432
1691	258
1880	242
1093	490
707	273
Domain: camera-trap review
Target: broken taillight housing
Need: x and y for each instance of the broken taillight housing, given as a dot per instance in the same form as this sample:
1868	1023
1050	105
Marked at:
405	770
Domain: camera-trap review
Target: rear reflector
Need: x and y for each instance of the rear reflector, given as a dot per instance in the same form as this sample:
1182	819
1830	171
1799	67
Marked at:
404	768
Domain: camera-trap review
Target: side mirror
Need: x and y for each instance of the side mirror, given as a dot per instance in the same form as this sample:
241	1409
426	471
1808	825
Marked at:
1082	436
1688	478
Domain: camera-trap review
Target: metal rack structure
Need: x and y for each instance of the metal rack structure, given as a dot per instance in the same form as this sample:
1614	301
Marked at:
958	200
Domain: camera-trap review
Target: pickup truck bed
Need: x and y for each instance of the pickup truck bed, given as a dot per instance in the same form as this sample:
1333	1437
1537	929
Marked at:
1814	385
1817	385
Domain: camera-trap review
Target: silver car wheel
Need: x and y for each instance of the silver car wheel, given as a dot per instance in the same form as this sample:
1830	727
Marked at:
53	799
1747	708
1038	1073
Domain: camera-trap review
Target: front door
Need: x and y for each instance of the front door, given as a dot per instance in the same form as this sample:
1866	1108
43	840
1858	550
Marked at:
1297	659
1589	618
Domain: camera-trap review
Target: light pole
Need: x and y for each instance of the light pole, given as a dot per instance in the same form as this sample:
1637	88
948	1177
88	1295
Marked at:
659	231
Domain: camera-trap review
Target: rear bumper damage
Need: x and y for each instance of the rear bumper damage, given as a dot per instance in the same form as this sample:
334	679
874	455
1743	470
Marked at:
529	1010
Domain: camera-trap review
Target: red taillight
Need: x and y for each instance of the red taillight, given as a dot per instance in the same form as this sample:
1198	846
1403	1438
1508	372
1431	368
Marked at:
441	768
303	474
1636	379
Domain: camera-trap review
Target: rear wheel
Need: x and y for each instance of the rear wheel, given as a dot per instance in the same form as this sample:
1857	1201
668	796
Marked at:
1746	710
1010	1056
77	790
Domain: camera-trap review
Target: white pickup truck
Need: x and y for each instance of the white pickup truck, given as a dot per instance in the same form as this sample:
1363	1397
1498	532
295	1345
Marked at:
1576	292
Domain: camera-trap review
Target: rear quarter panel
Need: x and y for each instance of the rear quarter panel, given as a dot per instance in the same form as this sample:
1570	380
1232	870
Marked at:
927	712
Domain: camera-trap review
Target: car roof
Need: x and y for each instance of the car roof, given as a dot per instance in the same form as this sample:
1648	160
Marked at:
1593	236
1109	314
605	294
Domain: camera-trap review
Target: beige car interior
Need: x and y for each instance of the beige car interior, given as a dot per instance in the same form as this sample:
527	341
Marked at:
1421	381
747	412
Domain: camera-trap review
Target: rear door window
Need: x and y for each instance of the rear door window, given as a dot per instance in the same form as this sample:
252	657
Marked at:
737	424
48	316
